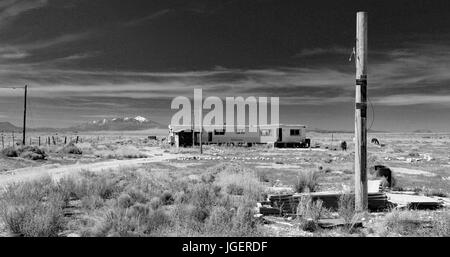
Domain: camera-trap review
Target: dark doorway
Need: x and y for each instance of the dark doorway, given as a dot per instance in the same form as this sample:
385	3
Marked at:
210	136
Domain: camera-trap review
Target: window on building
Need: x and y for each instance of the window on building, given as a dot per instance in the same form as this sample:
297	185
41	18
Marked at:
265	132
295	132
240	131
219	132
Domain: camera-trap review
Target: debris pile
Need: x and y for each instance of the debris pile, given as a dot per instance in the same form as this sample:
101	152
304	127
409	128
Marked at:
417	202
287	204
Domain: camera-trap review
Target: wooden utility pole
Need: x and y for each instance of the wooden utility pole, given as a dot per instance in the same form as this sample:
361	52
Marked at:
24	115
201	129
361	201
193	129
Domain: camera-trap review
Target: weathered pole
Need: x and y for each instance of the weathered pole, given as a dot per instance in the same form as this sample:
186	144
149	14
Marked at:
24	115
193	128
361	201
201	129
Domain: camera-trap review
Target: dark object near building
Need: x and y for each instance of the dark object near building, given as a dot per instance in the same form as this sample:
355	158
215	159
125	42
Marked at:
383	171
152	137
375	141
344	146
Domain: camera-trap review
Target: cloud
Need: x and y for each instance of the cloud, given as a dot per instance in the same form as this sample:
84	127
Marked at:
150	17
21	51
10	9
414	99
308	52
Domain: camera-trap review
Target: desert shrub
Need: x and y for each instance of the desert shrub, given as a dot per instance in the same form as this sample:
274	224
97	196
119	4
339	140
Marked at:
166	198
219	221
203	197
26	152
34	219
441	224
402	222
307	181
155	202
180	197
33	208
155	220
118	223
185	223
244	223
89	185
208	178
128	152
139	210
239	181
85	147
310	209
124	201
234	189
435	192
309	212
91	202
105	154
346	208
137	195
71	148
10	152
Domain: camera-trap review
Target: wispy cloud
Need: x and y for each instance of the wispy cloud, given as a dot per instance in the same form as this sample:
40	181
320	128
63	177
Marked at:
308	52
414	99
20	51
150	17
10	9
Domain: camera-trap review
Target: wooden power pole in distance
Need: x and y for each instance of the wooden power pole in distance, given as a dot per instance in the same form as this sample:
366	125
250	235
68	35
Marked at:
361	200
24	115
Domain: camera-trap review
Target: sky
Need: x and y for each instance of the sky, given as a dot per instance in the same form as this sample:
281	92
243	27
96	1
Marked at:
92	59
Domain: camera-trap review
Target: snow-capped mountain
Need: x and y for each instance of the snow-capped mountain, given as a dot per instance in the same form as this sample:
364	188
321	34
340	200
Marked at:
125	123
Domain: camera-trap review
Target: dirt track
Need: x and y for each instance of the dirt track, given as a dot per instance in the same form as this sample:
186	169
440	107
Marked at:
57	172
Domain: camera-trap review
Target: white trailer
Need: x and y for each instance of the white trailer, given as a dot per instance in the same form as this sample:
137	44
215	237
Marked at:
278	135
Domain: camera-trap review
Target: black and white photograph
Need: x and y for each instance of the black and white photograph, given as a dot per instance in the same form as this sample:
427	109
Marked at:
237	119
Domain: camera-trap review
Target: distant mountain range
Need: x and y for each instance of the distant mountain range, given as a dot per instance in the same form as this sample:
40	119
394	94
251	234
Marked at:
317	130
423	131
111	124
118	124
8	127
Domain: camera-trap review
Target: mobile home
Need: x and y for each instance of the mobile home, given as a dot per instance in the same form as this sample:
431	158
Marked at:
278	135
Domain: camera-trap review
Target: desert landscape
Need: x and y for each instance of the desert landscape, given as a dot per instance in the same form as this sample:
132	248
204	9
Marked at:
201	119
124	184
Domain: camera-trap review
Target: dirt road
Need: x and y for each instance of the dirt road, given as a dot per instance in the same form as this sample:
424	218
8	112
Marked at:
58	171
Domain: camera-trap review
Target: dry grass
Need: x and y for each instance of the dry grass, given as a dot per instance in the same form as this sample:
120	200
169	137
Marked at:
413	223
307	181
122	152
134	203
